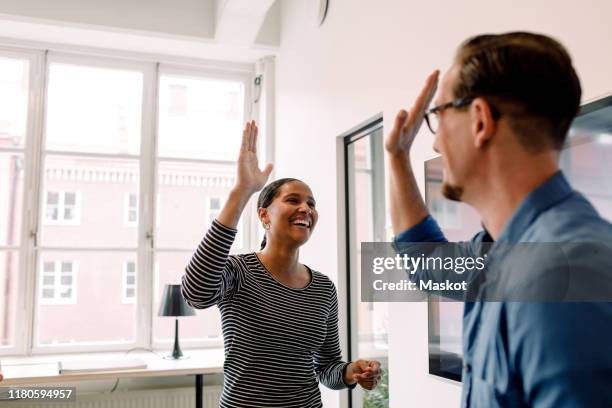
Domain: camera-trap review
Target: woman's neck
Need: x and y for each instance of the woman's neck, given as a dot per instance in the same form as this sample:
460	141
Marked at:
280	259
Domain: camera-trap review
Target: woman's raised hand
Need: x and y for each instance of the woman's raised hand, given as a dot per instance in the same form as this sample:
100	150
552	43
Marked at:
250	178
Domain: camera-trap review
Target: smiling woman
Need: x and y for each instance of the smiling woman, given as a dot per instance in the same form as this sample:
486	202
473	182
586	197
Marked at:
279	317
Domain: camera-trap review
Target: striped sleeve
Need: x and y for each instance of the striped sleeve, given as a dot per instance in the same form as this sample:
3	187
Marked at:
329	366
212	275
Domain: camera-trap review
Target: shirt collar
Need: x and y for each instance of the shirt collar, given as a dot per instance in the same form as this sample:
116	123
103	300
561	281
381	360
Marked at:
553	190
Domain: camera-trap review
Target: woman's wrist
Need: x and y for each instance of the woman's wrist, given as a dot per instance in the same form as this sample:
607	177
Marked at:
348	374
231	211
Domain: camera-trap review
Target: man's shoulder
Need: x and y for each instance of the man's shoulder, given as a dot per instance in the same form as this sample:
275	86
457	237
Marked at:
573	220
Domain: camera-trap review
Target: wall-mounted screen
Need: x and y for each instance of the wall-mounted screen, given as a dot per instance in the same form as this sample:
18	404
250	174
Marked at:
586	161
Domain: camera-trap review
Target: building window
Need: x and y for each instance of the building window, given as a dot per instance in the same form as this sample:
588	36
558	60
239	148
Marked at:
58	282
131	210
214	208
92	190
62	208
447	213
129	282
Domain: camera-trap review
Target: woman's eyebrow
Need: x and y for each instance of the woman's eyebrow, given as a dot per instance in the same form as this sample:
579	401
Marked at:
299	195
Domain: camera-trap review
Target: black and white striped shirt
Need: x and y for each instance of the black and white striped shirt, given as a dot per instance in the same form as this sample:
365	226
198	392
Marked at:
279	341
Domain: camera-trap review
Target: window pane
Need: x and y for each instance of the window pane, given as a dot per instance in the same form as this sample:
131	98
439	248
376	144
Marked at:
69	214
13	101
66	293
69	199
52	198
48	280
48	293
366	215
11	197
72	315
9	283
93	109
200	118
205	326
99	187
184	189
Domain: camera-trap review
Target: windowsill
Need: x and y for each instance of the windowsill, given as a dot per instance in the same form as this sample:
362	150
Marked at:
214	354
45	369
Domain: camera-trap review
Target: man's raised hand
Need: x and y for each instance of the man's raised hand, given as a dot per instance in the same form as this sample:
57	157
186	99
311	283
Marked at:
407	124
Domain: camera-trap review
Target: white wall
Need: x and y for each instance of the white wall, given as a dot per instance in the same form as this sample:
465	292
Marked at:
178	17
372	56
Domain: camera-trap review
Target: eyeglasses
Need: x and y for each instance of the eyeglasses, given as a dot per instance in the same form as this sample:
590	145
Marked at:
432	116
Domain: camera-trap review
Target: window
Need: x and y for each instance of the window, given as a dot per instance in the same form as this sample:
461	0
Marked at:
365	211
58	283
128	292
199	141
120	142
214	208
131	210
17	83
445	212
62	208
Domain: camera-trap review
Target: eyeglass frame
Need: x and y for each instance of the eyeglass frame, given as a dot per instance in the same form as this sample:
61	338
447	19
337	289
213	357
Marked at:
456	104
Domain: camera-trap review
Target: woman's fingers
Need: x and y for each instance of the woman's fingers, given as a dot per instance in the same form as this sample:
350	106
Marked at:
249	137
253	137
245	137
267	170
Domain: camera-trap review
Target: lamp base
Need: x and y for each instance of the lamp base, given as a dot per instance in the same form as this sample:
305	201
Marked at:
171	357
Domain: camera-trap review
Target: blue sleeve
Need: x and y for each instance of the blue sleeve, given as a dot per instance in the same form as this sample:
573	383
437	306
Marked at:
427	230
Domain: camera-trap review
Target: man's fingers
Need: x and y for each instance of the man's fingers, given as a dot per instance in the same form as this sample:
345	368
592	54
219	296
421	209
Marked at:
423	100
400	119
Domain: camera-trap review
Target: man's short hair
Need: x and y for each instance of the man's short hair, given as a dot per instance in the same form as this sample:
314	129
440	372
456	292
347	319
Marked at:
527	77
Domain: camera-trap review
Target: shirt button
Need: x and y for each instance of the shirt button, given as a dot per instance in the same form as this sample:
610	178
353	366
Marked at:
467	367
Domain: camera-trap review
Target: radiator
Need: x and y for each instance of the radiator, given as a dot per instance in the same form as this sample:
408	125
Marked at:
160	398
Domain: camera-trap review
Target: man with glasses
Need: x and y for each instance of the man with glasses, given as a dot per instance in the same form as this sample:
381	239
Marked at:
500	119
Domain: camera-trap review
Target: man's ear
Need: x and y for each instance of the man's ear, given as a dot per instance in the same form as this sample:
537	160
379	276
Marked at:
482	122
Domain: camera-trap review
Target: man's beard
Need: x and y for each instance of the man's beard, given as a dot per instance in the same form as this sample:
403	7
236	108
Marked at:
451	192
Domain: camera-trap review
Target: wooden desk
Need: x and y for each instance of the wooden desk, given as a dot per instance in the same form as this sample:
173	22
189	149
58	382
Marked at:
39	370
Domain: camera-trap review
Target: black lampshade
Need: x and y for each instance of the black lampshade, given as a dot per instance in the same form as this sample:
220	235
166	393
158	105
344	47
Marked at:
173	303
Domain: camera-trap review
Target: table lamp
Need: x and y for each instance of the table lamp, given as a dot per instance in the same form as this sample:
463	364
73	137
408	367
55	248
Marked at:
173	304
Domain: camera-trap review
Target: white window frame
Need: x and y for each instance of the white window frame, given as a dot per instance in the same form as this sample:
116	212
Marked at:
125	299
61	206
40	57
57	285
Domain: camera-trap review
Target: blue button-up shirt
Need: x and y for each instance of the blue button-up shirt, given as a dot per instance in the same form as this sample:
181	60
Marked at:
537	354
